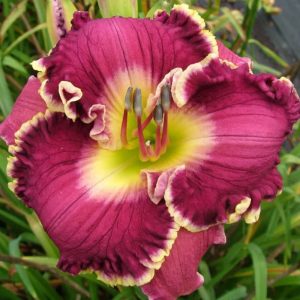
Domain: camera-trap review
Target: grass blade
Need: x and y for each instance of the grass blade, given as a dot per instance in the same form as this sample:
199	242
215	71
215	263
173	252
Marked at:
11	18
24	36
15	251
231	18
6	101
263	68
267	51
260	271
42	236
13	63
235	294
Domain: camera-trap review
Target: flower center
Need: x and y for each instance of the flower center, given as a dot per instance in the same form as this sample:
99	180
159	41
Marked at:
133	104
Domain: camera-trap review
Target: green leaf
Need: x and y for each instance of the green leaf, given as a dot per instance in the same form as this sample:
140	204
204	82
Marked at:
207	292
291	159
6	101
42	236
21	56
22	271
4	240
12	17
43	260
124	8
153	9
289	280
287	225
249	20
139	293
42	286
231	18
3	160
7	295
93	289
41	13
260	271
12	219
93	278
263	68
126	293
270	53
23	37
11	62
235	294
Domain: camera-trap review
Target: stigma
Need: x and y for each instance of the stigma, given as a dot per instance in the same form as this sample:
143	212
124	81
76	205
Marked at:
133	104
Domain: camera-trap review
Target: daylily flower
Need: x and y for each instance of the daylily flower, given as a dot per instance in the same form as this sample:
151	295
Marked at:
139	140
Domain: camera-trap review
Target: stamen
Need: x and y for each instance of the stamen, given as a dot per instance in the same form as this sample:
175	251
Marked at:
137	102
158	114
143	148
127	108
166	97
145	123
128	98
158	141
166	103
138	110
158	118
164	138
124	128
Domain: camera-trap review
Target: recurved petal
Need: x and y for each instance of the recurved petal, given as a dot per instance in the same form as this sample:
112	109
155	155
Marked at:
179	275
229	56
27	105
103	57
250	117
99	220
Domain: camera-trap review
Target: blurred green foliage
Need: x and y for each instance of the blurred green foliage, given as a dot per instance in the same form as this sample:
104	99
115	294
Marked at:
259	261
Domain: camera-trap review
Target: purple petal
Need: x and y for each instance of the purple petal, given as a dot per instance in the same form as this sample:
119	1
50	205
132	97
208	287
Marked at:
178	275
250	116
80	18
27	105
102	58
228	55
98	222
157	183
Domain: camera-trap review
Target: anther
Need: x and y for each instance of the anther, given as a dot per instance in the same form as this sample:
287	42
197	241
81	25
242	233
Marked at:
158	114
128	97
166	103
137	102
166	97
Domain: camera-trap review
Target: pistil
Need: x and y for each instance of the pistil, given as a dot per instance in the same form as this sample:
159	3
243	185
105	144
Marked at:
164	138
127	108
138	110
166	103
158	118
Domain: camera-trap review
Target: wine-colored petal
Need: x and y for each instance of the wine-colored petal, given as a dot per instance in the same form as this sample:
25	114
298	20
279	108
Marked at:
102	58
250	116
179	275
99	219
27	105
229	56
